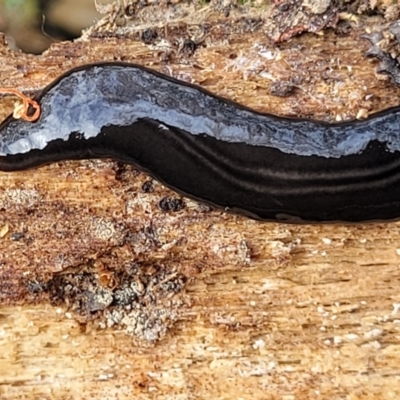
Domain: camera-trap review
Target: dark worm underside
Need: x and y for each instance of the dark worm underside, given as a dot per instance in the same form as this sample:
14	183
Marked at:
259	181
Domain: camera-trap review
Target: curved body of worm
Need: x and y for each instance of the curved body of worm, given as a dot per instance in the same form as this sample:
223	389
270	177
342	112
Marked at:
214	150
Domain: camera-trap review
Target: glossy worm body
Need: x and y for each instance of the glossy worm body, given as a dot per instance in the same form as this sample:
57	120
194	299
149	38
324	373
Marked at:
214	150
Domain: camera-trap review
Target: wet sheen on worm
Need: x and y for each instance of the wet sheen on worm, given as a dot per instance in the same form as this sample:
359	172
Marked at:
212	149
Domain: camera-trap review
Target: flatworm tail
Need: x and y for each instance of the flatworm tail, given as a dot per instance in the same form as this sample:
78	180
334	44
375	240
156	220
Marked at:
212	149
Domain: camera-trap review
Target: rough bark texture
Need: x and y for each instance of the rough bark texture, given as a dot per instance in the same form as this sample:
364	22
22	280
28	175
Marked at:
107	295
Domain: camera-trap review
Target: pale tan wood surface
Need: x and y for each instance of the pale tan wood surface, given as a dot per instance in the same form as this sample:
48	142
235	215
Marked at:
260	310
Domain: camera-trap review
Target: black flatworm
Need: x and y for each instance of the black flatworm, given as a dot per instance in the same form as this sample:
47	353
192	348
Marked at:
212	149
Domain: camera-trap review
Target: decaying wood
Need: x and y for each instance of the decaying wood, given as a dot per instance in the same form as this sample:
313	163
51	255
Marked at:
221	306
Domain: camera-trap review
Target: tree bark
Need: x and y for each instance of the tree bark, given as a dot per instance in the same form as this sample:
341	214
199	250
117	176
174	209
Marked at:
224	306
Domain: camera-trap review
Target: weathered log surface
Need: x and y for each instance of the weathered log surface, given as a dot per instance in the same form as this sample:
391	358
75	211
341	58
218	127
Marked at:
224	307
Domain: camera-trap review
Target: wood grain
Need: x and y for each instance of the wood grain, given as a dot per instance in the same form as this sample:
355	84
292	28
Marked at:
229	308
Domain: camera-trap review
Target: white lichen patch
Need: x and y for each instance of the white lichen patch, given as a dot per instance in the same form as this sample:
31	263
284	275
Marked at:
19	197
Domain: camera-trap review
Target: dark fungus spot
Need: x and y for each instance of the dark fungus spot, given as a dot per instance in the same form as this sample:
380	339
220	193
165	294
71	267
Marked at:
165	56
120	171
36	287
343	28
130	11
16	236
284	7
281	89
171	204
189	46
252	24
148	186
148	36
124	296
206	27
